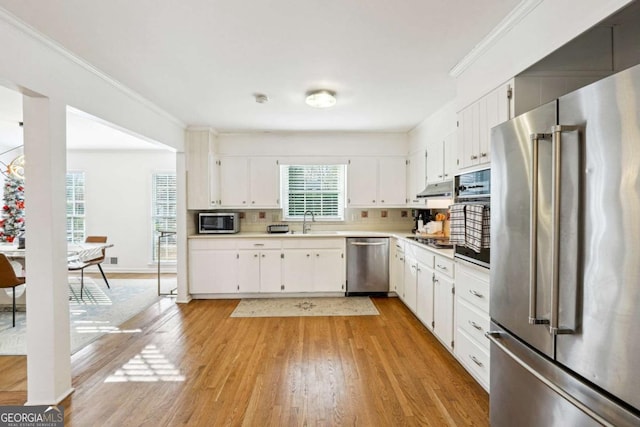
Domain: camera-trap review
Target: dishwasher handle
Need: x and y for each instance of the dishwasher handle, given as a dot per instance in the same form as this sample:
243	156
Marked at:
367	243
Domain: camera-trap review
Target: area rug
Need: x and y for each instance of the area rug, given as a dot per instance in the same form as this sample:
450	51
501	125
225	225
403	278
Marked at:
295	307
100	311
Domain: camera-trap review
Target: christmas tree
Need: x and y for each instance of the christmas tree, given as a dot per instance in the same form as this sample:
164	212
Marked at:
12	222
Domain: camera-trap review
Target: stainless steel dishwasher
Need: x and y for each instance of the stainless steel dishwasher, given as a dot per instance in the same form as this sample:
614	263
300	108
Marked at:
367	266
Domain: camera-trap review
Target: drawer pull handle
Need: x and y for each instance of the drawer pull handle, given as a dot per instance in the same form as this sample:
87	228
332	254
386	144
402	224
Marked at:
476	361
258	244
475	325
475	294
441	267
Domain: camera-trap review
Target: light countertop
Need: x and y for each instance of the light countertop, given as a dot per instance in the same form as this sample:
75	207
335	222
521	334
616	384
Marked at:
400	234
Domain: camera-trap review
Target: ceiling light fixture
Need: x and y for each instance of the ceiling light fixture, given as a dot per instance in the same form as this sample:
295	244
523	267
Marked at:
321	98
261	98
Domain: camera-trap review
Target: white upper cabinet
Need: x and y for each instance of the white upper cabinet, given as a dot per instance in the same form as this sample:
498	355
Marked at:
474	127
202	181
440	160
377	182
416	173
249	182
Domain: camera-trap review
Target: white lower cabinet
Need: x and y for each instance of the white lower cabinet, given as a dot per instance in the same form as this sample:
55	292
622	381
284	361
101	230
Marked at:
396	266
429	290
313	265
212	266
472	320
259	271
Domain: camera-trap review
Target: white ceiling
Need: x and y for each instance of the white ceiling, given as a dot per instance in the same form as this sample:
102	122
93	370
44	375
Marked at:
201	60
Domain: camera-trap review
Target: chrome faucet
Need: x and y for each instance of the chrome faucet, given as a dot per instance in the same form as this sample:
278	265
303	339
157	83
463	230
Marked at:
307	227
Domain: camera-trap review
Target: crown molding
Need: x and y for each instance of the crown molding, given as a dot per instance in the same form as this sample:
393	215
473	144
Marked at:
202	129
516	15
58	48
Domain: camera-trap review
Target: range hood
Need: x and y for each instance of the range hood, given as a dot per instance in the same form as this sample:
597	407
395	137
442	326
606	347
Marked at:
442	189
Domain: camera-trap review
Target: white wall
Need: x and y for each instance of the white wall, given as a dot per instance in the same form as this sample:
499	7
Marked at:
549	26
433	128
118	201
313	144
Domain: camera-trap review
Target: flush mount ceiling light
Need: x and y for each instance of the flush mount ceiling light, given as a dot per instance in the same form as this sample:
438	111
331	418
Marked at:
261	98
321	98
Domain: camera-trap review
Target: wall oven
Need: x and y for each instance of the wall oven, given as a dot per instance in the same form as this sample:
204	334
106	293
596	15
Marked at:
473	188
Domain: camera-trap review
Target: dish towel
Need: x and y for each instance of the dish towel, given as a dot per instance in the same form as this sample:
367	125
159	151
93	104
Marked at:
474	227
457	224
486	227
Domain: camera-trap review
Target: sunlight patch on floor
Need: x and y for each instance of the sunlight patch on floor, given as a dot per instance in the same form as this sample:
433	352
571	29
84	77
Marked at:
150	365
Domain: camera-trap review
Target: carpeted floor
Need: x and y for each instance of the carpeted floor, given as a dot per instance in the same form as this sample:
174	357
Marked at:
292	307
100	311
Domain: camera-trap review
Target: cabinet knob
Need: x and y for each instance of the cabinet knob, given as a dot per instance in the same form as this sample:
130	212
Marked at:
263	255
253	202
439	176
483	154
317	255
308	255
244	202
255	255
474	157
373	201
381	201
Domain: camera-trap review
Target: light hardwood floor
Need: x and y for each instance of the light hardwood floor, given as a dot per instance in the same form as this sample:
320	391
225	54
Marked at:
194	365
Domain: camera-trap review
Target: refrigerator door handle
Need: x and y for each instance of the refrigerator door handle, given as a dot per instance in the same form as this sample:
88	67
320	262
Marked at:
494	337
533	231
556	178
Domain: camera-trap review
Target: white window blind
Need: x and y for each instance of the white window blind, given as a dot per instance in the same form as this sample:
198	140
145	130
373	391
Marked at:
164	215
75	207
316	188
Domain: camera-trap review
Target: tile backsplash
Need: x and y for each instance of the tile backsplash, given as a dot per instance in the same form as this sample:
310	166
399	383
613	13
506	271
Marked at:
355	219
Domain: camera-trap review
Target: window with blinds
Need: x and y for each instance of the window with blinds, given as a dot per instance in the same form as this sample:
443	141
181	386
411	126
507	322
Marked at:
164	215
316	188
75	207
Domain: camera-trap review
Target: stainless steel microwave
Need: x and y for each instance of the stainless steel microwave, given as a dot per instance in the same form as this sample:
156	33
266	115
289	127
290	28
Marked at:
218	222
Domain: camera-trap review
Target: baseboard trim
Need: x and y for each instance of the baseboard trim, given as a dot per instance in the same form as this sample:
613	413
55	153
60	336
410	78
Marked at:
58	399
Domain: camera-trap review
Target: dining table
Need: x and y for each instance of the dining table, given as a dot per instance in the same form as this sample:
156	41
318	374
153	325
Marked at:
77	253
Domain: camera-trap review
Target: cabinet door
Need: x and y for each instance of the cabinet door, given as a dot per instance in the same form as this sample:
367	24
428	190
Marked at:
197	168
248	271
234	182
399	273
448	159
465	138
392	181
264	179
329	270
212	271
214	181
297	270
270	271
424	305
409	295
443	309
416	176
435	162
362	181
482	151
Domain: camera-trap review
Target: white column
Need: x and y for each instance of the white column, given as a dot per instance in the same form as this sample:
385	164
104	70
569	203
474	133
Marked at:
48	342
181	229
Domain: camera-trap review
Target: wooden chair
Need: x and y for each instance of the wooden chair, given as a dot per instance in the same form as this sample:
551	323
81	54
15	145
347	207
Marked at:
8	279
75	266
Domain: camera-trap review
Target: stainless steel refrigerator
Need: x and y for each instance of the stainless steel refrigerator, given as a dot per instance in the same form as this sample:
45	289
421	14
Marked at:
565	260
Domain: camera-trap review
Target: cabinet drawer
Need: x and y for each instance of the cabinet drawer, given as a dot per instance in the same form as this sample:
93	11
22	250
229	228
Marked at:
473	322
259	244
203	244
444	265
423	256
472	290
312	243
473	357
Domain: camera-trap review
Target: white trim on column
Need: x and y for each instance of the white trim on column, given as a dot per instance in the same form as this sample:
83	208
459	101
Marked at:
499	31
13	20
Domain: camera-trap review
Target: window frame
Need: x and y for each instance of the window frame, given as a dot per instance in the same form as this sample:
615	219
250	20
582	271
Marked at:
71	232
169	242
341	189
